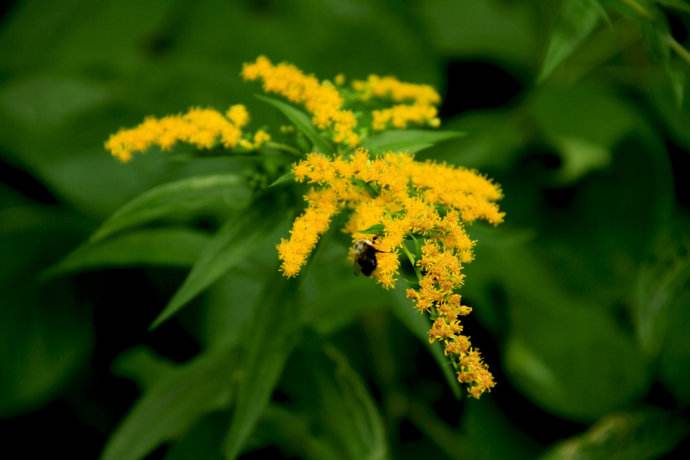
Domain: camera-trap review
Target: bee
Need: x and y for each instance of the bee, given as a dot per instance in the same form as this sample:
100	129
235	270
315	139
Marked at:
364	253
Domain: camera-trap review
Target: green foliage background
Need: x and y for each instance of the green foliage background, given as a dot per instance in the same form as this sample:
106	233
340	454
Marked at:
580	299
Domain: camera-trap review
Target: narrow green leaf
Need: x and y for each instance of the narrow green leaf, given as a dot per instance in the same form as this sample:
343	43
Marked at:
301	122
638	435
348	410
228	248
177	198
269	342
376	229
165	246
143	366
577	20
419	326
411	140
174	404
284	179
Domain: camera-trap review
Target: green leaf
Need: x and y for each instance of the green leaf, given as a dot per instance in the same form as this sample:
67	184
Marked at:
675	353
269	341
143	366
565	352
229	247
204	441
301	122
497	31
584	124
174	404
637	435
45	330
348	412
292	431
659	286
376	229
419	325
411	141
677	4
576	21
288	177
345	415
175	199
165	246
580	157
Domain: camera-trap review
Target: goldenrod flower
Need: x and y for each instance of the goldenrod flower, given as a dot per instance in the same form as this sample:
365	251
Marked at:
402	201
321	99
406	199
203	128
420	107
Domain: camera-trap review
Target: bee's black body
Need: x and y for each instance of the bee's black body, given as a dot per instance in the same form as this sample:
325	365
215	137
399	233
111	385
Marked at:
365	256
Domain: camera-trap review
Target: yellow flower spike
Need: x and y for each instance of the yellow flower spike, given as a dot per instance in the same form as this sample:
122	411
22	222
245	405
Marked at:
417	103
401	198
396	90
202	128
321	99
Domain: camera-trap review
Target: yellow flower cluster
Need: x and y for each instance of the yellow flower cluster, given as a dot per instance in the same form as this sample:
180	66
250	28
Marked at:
203	128
420	106
406	200
321	99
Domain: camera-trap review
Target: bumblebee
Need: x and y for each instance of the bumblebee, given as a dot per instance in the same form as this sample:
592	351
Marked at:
364	253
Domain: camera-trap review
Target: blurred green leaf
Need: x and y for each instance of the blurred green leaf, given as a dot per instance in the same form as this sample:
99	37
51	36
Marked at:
483	422
203	441
292	431
677	4
229	304
43	101
57	31
269	341
658	288
576	21
287	178
638	435
174	403
491	29
411	141
565	352
346	410
493	139
418	325
339	415
579	157
584	124
231	244
166	246
675	353
143	366
175	199
301	122
45	330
